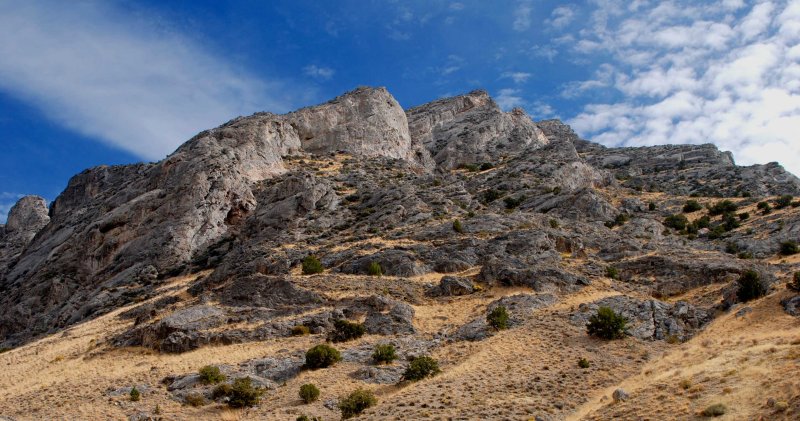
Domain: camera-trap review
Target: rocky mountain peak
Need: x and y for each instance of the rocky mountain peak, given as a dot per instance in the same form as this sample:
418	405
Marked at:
27	217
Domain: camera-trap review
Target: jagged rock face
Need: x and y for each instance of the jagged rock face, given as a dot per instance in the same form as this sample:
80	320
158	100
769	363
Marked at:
26	218
471	129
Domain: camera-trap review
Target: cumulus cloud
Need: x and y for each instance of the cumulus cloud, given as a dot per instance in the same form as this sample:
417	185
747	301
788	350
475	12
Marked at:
561	17
687	72
119	78
517	77
509	98
522	15
318	72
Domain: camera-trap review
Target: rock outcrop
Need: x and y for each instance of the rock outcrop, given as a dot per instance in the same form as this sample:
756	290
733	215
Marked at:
25	219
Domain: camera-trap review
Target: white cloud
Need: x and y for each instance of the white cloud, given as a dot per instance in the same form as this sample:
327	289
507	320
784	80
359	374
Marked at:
456	6
688	72
509	98
120	78
317	72
522	15
517	77
561	17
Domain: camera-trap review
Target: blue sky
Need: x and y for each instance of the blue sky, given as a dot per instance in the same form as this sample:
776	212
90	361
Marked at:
86	83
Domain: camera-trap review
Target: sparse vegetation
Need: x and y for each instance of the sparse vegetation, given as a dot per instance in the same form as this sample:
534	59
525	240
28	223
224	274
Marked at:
308	393
750	286
491	195
677	222
583	363
612	272
498	318
513	203
345	330
651	206
692	206
321	356
716	410
606	324
765	208
356	402
457	226
619	220
420	368
243	394
553	223
374	269
195	399
134	394
789	248
783	201
210	374
722	207
384	354
300	330
312	265
221	391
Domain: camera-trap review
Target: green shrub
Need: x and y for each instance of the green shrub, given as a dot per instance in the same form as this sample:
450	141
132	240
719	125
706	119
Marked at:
512	203
374	269
717	232
300	330
651	206
677	222
606	324
195	399
795	284
703	222
321	356
345	330
612	272
744	216
553	223
730	222
244	394
356	402
721	207
487	166
715	410
789	248
420	368
583	363
498	318
783	201
750	286
731	247
469	167
312	265
765	208
308	393
134	394
692	206
457	226
221	391
384	354
210	374
491	195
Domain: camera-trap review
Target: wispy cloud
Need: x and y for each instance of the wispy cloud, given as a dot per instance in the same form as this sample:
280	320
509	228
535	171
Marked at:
122	79
318	72
688	72
561	17
522	15
509	98
517	77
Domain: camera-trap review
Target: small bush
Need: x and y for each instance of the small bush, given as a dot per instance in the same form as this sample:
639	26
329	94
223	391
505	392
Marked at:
221	391
244	394
783	201
651	206
469	167
715	410
730	222
692	206
721	207
789	248
765	208
744	216
750	286
606	324
612	272
375	269
553	223
583	363
384	354
420	368
703	222
619	220
195	399
308	393
677	222
491	195
134	394
512	203
300	330
795	284
312	265
487	166
498	318
356	402
210	374
322	356
344	330
457	226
